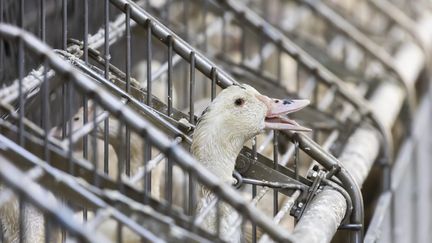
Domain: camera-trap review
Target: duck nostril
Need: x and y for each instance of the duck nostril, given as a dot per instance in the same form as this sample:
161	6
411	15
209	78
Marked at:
287	102
276	101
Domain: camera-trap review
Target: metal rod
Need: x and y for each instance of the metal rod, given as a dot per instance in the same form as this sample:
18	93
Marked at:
107	64
64	24
2	41
178	154
128	74
275	166
45	111
42	23
86	31
149	62
192	88
169	77
21	94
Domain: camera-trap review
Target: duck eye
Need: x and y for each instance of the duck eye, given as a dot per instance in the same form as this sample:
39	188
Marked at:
76	118
239	102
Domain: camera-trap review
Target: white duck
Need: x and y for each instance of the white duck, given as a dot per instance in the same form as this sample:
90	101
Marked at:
236	115
33	224
114	148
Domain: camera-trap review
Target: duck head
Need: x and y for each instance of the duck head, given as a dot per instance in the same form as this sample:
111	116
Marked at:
236	115
244	112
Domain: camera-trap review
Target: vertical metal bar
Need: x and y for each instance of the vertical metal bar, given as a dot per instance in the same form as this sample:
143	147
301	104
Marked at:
296	159
415	192
213	83
170	71
147	149
95	145
121	155
85	120
1	224
21	219
185	192
205	85
21	14
169	181
205	13
42	23
186	19
64	46
86	31
84	214
315	101
254	188
191	200
191	87
107	63
20	91
106	40
223	36
261	49
119	232
243	42
42	36
149	62
147	174
45	111
128	70
279	66
70	127
275	166
2	40
167	12
128	47
218	217
64	24
47	229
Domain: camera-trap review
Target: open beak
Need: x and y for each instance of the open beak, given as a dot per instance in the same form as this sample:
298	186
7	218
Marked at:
276	117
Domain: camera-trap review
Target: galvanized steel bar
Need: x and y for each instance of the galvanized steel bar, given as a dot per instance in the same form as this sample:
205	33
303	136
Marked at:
14	178
141	126
179	46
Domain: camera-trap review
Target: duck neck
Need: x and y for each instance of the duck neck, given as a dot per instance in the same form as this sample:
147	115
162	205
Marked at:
217	150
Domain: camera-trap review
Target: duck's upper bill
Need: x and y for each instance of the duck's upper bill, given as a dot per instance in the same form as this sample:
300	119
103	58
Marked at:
278	109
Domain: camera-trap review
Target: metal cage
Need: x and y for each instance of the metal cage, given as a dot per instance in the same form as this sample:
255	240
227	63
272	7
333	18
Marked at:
105	119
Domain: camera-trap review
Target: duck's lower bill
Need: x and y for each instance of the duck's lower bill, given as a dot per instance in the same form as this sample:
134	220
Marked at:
276	117
284	123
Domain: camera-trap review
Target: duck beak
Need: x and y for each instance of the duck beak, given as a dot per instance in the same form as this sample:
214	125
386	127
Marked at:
278	109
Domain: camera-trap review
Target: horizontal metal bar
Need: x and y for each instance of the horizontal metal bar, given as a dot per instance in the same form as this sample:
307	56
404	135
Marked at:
272	184
142	127
180	47
92	197
20	183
